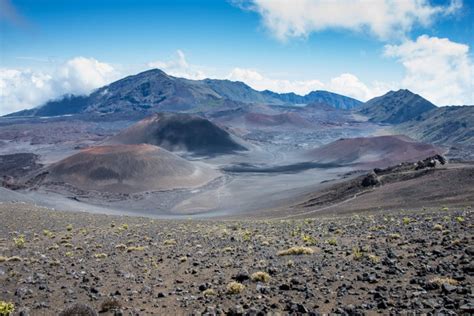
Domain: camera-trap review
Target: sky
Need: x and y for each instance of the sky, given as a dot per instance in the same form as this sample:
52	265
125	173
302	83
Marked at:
359	48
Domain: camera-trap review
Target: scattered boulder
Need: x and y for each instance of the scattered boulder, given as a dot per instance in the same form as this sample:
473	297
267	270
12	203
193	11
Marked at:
370	180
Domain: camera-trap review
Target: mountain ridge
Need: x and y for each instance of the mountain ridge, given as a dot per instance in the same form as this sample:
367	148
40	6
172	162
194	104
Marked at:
153	90
396	107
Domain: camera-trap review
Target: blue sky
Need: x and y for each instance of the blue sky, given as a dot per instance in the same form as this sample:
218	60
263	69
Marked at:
267	44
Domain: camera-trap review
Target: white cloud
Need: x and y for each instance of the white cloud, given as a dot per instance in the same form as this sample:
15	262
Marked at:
259	82
384	18
346	84
436	68
21	89
179	67
81	75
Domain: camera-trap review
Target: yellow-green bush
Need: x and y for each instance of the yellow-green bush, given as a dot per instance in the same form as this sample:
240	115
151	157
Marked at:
20	241
260	276
235	287
297	250
6	308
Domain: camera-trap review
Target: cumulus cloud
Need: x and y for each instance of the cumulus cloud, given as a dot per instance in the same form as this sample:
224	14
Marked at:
436	68
346	84
386	19
21	89
179	67
81	75
259	82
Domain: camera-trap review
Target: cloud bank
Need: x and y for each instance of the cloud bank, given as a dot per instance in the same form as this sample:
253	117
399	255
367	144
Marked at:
22	89
346	84
386	19
436	68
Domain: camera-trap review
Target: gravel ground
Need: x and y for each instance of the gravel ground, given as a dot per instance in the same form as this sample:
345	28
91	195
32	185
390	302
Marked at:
418	261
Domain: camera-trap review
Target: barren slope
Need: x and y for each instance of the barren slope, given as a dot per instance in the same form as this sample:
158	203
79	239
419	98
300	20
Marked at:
128	169
371	152
180	132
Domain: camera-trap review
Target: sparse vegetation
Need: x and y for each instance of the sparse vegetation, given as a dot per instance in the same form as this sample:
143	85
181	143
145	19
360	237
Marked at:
209	292
14	259
394	236
444	280
6	308
357	253
48	233
122	227
169	242
309	240
297	250
135	248
373	258
19	241
217	269
260	276
121	247
332	241
438	227
235	287
100	255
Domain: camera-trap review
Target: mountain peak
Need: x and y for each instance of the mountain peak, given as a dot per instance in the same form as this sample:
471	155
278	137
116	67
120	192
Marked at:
155	72
396	107
153	90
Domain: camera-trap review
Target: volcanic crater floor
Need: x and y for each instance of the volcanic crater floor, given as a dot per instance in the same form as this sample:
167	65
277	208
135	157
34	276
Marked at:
418	260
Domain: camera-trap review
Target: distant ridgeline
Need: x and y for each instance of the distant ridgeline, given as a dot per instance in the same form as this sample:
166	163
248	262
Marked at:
154	90
137	96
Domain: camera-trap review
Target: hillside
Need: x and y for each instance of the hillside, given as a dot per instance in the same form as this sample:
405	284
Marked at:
396	107
335	100
180	132
370	152
128	169
154	90
444	125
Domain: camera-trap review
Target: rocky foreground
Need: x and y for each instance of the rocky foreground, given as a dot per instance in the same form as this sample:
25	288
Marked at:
382	262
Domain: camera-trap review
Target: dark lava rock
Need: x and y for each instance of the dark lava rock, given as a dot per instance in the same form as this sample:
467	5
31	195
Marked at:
236	310
370	180
242	275
447	288
284	287
203	287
